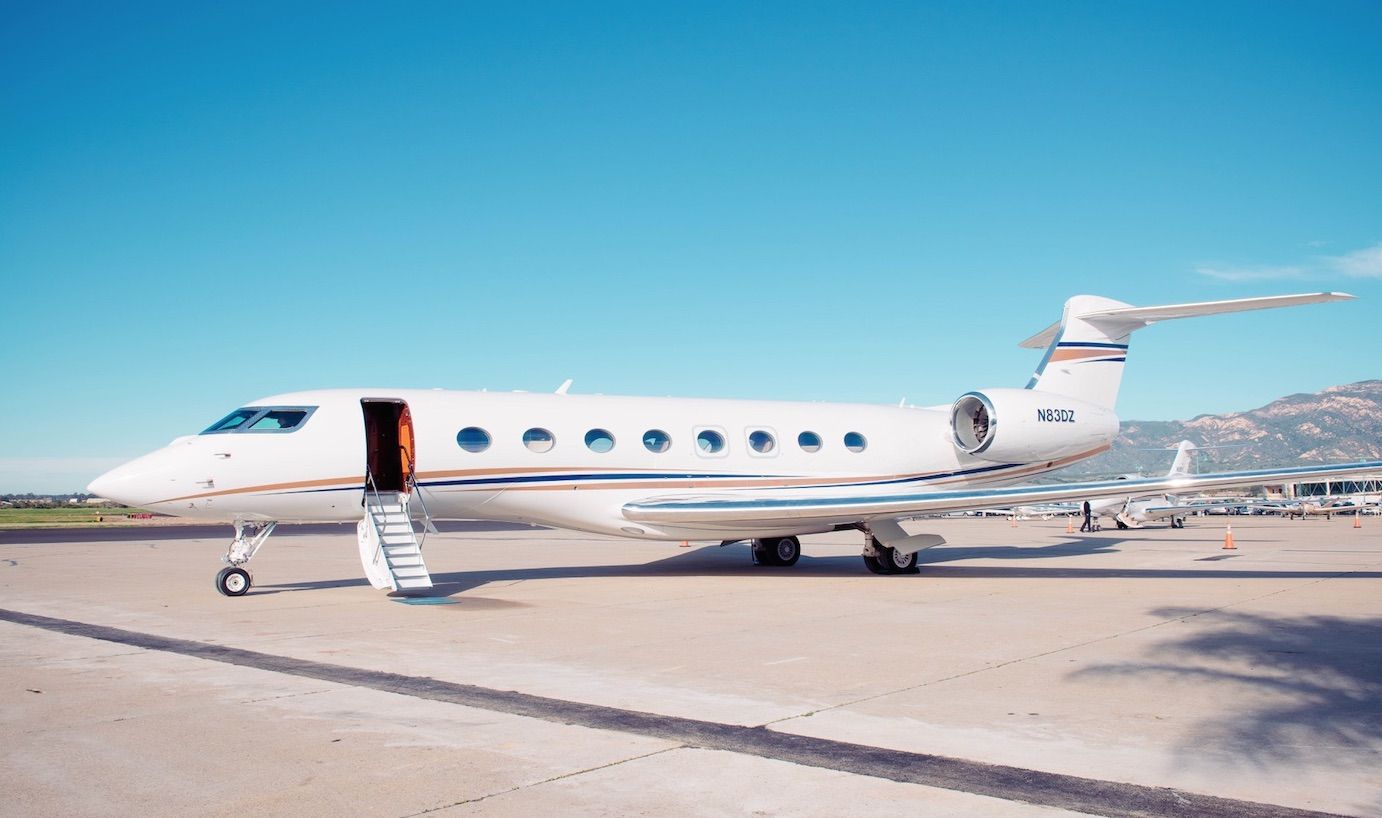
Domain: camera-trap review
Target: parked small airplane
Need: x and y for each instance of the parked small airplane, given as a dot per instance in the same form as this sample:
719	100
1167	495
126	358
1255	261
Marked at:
1134	512
1312	508
665	469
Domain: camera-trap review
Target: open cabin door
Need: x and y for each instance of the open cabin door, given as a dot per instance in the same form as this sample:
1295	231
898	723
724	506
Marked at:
390	448
390	551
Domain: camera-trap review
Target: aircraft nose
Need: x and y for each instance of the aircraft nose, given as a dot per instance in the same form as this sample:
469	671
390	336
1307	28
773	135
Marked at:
101	486
119	484
136	483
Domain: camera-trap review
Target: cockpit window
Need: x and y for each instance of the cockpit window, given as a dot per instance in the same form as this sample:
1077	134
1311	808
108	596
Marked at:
262	419
279	420
232	421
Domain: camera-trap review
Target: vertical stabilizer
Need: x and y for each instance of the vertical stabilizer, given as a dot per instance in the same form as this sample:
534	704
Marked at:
1084	361
1182	466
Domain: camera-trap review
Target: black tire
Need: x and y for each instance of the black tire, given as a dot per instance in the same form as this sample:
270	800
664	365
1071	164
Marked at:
872	564
895	562
1122	526
765	553
233	581
786	551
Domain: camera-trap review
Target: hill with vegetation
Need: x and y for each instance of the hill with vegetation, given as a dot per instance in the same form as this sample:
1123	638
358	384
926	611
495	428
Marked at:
1336	425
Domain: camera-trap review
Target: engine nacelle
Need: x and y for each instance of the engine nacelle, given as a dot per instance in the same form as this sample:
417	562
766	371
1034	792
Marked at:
1036	425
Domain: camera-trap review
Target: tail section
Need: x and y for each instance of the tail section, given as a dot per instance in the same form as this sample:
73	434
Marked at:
1182	465
1086	350
1084	360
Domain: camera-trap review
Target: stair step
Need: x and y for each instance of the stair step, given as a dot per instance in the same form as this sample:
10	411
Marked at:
415	583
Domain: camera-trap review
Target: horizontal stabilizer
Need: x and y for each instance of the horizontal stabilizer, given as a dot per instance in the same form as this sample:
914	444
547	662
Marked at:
1121	320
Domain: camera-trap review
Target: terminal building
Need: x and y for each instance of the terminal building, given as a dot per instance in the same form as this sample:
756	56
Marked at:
1332	488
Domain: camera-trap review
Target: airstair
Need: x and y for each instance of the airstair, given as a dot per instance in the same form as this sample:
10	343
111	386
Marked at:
390	550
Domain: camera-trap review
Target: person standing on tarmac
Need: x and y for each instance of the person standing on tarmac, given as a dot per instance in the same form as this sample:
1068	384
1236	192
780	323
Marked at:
1088	524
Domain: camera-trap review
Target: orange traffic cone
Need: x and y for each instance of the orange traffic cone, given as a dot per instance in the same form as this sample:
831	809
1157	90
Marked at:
1228	539
1069	525
1012	521
685	544
1357	519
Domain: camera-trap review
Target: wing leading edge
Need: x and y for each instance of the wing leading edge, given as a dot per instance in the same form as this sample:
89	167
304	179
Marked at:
791	506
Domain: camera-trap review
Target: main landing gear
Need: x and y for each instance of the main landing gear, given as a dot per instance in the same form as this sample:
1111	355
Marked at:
880	559
776	552
234	580
1178	522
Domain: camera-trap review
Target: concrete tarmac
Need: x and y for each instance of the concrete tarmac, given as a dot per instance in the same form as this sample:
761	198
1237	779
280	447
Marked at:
1024	672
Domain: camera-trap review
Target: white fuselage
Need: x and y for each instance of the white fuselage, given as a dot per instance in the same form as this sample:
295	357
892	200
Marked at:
317	471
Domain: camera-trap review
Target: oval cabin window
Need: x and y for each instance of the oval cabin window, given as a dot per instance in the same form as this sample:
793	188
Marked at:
473	439
599	440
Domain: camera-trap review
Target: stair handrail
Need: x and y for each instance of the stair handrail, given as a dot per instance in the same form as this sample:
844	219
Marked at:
370	485
426	514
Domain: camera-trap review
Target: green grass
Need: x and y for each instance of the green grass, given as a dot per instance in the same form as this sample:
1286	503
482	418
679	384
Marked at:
77	515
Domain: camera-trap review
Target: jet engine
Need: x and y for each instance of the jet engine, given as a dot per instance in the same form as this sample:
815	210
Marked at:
1036	426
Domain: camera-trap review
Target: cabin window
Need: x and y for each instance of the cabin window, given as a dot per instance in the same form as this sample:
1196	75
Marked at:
657	441
709	441
538	440
762	442
473	439
809	441
855	442
262	419
599	440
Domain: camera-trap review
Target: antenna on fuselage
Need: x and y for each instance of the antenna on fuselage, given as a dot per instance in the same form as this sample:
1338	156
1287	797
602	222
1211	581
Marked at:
565	385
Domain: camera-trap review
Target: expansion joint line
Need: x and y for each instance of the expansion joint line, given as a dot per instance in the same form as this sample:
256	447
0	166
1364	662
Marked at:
573	774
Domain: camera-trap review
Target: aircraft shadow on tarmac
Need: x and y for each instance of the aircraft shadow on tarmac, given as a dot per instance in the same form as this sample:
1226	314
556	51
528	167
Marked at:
1307	684
734	561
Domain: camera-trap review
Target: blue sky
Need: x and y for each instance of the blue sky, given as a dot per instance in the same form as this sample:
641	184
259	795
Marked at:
203	204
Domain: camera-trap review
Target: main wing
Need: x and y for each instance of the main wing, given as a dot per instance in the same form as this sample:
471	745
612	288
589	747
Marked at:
787	507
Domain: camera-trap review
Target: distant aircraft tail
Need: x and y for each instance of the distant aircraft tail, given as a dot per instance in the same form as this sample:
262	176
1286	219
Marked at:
1087	348
1182	465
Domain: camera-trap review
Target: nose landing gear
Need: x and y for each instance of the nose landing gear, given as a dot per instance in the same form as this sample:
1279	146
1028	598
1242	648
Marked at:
233	580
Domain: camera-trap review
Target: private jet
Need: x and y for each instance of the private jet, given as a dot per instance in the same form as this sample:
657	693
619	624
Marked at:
1135	512
1326	507
760	472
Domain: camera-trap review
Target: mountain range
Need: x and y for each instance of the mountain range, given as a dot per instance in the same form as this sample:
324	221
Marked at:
1336	425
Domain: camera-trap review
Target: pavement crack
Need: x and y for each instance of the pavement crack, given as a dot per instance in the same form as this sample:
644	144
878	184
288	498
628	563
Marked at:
530	785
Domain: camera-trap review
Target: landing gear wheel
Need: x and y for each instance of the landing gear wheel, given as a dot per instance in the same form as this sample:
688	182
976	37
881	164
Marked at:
233	581
887	560
778	552
787	551
1122	526
898	562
